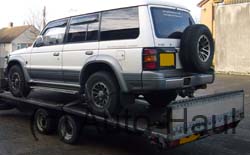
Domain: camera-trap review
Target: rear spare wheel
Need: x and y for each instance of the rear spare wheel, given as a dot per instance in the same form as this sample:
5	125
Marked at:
197	49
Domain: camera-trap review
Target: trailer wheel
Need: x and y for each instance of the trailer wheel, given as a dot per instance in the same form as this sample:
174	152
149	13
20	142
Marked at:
69	129
44	123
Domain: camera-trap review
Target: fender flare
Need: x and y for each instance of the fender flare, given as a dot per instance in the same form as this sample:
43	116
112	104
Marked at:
109	61
21	64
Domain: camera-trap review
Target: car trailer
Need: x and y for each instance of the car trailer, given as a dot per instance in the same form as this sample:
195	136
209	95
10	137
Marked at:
179	123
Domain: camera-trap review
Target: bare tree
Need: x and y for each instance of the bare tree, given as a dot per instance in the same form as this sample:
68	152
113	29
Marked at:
37	18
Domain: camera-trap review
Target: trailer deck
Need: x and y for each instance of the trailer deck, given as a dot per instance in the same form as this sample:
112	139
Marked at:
179	123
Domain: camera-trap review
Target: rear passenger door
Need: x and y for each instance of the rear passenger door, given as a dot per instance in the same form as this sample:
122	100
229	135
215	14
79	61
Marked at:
81	43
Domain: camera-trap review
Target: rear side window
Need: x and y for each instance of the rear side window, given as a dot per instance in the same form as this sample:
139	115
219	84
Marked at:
120	24
83	28
169	23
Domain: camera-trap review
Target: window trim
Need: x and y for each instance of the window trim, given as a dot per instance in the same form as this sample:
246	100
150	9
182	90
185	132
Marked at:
164	7
46	28
99	31
86	41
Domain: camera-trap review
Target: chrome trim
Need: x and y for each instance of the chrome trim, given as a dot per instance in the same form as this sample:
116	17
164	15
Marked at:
55	90
55	83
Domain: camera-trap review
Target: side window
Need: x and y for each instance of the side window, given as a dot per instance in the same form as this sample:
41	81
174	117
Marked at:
54	33
83	28
120	24
22	45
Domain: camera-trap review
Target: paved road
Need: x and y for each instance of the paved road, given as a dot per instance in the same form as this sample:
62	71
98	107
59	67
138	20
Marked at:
16	138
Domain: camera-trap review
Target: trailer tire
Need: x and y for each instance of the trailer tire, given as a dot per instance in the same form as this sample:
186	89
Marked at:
69	128
17	83
160	99
44	122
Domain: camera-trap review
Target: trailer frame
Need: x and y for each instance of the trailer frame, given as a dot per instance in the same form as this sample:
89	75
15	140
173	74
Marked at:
153	130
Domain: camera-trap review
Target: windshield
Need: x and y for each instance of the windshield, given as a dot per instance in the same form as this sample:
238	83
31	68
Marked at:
170	23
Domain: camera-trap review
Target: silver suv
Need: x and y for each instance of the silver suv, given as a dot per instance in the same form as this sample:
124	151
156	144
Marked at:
144	48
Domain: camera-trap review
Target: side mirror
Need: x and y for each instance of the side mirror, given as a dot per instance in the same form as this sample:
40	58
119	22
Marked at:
39	41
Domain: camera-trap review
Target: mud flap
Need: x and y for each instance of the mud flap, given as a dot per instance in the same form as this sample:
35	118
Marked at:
3	81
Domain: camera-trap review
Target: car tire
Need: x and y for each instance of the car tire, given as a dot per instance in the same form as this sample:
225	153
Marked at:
17	83
160	99
44	122
69	128
103	94
197	49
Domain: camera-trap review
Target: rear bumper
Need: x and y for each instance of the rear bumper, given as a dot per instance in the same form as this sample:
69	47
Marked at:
177	82
167	80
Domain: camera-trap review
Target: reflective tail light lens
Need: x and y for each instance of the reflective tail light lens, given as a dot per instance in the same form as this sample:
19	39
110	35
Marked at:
150	59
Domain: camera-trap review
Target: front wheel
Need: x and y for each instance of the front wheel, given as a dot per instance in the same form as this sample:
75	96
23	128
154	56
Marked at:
17	84
160	99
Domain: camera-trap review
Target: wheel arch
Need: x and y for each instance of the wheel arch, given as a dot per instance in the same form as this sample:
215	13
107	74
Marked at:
103	65
20	64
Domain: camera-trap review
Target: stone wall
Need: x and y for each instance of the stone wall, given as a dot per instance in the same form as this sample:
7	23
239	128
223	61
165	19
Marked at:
232	35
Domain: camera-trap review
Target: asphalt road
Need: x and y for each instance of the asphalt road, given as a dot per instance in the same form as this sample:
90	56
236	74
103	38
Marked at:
16	137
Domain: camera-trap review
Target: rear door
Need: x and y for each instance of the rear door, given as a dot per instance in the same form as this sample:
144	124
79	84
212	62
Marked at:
46	59
169	25
81	43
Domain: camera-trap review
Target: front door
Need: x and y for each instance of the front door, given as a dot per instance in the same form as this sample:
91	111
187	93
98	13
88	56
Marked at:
46	57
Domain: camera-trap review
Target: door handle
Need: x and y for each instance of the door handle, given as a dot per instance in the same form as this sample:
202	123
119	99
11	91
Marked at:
56	54
89	52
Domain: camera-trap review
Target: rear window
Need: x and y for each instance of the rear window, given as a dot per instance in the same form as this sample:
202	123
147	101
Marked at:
170	23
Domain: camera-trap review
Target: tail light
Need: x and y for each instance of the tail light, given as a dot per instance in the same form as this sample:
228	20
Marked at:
159	58
150	60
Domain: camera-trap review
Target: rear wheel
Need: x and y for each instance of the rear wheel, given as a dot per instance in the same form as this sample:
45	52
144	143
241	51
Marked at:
17	84
103	93
160	99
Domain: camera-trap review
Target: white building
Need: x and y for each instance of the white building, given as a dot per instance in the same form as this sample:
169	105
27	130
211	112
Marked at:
13	38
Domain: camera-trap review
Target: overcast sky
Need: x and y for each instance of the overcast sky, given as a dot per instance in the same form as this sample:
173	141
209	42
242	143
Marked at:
18	11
